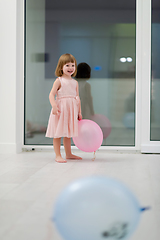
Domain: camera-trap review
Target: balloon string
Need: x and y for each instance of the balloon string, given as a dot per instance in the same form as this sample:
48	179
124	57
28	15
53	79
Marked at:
94	156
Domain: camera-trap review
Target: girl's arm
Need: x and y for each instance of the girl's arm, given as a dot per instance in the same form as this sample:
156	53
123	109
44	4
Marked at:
79	110
55	88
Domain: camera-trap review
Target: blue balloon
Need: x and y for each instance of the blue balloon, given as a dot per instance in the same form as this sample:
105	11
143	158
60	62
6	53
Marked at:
96	208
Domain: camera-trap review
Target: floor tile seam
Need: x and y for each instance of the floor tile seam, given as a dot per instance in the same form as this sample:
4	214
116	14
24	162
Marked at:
3	197
25	181
31	176
19	185
35	199
64	170
12	168
15	167
1	174
28	177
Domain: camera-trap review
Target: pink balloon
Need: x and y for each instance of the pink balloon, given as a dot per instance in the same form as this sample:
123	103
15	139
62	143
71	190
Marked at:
90	136
104	123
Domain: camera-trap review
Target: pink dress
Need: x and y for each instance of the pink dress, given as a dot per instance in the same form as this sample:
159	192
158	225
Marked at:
66	123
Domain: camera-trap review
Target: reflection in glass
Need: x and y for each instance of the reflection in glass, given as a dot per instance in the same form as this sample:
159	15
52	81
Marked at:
155	80
84	74
99	36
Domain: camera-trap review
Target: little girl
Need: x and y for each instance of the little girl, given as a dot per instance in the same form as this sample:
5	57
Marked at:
66	109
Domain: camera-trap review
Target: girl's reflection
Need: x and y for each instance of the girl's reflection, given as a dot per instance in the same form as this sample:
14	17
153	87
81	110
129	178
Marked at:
83	74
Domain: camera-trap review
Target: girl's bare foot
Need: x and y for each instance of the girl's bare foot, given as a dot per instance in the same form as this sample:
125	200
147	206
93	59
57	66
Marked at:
71	156
59	159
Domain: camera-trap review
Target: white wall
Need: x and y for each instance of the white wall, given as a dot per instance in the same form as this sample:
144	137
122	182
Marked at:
8	13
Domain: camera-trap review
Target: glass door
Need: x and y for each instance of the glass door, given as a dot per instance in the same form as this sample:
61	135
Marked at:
150	142
99	33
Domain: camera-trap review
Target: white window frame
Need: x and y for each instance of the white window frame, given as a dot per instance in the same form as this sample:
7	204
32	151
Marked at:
147	146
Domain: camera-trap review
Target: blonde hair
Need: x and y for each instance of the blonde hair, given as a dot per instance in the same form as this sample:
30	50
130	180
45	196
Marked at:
65	58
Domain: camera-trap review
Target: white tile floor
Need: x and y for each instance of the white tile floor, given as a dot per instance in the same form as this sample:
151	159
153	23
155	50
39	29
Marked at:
31	181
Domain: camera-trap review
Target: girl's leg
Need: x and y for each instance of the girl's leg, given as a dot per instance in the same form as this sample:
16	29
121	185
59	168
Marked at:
57	145
67	147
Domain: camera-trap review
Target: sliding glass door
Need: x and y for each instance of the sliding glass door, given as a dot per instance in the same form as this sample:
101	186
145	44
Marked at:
150	116
100	33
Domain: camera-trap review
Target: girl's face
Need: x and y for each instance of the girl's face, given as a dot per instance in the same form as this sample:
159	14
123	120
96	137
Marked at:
68	69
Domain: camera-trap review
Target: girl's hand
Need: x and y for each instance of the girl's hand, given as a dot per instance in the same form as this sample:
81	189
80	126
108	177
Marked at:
55	110
79	116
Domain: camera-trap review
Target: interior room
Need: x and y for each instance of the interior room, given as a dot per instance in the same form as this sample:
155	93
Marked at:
119	41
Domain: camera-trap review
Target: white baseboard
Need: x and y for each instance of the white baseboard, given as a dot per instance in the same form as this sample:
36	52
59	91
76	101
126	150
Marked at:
10	148
146	148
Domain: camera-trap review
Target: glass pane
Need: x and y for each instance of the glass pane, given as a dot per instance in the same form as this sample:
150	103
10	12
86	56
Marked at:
100	33
155	79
